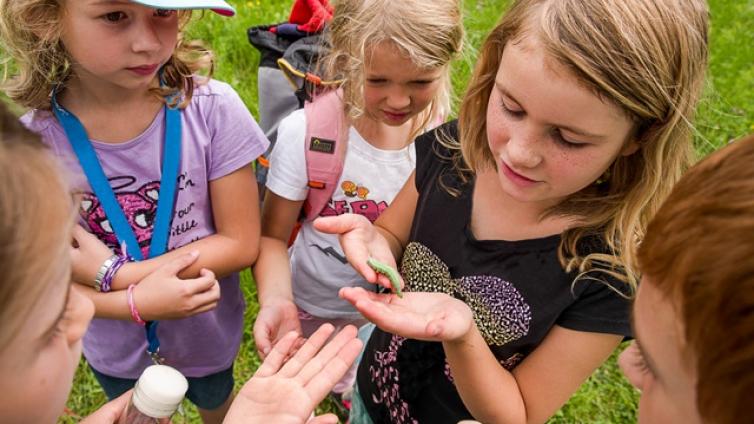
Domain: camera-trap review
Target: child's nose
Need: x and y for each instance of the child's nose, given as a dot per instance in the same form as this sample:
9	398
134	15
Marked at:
398	99
522	152
146	38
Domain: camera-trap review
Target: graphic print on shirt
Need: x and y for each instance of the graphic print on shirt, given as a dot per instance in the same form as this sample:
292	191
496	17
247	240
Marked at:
139	207
371	209
500	313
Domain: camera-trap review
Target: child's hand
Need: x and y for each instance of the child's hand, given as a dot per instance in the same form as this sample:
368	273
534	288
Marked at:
276	318
162	295
421	316
360	241
109	413
287	392
87	255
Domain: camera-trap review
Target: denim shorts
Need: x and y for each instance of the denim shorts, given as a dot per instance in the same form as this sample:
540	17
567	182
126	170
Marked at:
207	393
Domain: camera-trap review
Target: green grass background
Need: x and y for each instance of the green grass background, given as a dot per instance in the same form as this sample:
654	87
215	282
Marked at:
726	113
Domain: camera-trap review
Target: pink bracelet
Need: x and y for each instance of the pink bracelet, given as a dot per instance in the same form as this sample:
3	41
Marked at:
132	306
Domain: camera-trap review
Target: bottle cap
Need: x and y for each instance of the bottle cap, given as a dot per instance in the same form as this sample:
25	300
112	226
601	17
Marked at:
159	391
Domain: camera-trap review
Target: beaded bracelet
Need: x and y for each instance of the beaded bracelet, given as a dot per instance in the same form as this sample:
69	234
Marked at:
132	306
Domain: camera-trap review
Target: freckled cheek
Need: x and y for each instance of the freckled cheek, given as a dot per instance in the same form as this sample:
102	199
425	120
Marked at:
497	131
577	166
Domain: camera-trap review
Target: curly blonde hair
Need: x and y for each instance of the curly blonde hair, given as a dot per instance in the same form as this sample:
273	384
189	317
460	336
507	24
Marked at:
429	32
30	32
646	56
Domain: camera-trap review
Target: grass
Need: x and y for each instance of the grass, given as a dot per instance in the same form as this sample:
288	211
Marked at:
726	113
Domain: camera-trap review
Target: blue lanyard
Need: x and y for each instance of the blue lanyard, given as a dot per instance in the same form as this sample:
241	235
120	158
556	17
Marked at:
87	157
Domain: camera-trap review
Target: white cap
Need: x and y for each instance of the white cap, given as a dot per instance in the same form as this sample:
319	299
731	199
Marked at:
218	6
159	391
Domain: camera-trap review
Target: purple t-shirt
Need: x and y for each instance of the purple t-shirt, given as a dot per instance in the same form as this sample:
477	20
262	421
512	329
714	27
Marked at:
219	137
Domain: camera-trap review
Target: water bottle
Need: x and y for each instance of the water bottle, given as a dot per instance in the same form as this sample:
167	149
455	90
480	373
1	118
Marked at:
157	395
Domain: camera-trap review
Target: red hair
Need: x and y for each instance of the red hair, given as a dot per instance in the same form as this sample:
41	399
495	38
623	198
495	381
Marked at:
699	252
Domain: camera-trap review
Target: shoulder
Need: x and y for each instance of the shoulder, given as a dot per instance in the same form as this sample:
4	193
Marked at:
212	95
37	120
434	156
211	87
435	141
296	119
606	276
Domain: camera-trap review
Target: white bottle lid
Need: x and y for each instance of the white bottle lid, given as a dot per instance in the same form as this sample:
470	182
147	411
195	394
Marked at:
159	391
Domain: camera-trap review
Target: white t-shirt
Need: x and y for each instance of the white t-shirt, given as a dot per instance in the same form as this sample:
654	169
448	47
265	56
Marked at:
370	180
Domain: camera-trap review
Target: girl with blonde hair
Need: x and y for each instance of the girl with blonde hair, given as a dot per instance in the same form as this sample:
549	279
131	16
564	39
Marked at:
392	59
160	157
517	231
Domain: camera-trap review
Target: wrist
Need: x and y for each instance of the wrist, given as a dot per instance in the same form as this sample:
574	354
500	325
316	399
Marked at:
279	300
132	308
99	277
123	278
469	338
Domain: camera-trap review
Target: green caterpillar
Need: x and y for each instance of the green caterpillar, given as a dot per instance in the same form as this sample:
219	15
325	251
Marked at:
389	272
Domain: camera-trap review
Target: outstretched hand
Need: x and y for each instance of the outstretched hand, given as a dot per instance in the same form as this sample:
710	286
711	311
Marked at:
288	391
360	241
421	316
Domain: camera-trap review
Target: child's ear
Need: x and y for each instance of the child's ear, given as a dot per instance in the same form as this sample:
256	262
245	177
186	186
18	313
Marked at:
630	148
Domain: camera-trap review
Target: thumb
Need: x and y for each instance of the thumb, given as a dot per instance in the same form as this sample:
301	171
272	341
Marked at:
338	224
178	264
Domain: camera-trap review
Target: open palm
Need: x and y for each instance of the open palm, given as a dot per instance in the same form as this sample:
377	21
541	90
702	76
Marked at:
421	316
287	392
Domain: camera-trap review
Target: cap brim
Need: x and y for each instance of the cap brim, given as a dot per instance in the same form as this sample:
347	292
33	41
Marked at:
218	6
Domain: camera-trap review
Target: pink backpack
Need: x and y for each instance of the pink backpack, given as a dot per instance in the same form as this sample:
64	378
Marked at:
326	143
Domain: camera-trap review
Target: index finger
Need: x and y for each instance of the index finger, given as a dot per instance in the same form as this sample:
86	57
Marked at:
277	355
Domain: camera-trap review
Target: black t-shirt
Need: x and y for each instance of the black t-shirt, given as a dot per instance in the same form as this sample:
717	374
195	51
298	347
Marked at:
517	291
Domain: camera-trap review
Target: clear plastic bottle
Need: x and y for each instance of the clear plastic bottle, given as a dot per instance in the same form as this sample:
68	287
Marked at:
157	395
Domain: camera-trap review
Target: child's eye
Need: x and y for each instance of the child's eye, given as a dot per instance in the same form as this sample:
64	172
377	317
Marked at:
557	135
114	17
375	81
511	111
165	13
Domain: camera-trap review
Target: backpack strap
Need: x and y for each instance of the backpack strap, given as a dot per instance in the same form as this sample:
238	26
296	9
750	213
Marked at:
326	142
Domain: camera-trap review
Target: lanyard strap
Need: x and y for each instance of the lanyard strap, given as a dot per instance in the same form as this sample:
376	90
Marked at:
171	158
101	186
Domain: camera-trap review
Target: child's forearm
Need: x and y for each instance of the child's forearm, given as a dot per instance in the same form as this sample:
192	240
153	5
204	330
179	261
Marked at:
219	253
396	247
111	305
488	390
272	271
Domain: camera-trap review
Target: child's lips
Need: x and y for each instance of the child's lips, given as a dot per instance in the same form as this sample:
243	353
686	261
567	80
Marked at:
517	178
394	115
144	69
